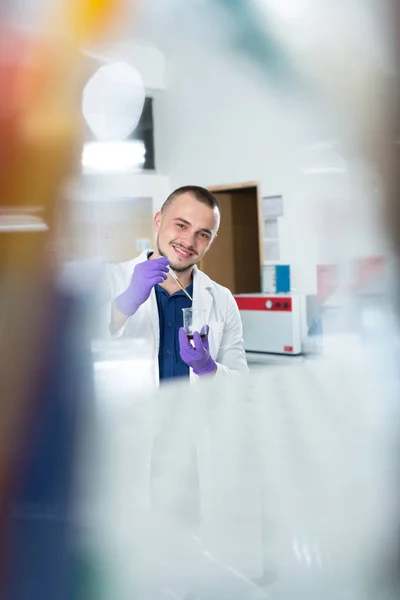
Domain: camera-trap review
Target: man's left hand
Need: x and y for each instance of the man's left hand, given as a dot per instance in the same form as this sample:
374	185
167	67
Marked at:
197	357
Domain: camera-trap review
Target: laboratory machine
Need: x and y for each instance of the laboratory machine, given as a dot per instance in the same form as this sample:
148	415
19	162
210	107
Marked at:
273	323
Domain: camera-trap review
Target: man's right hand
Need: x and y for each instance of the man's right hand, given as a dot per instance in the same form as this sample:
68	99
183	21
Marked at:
145	276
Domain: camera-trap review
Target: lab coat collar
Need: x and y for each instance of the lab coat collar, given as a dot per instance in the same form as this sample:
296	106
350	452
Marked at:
201	278
202	296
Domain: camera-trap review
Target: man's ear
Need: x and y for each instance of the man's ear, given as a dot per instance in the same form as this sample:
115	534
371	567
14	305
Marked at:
211	243
157	221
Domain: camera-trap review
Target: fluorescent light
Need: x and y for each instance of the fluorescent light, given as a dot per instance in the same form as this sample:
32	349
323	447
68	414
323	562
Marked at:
113	156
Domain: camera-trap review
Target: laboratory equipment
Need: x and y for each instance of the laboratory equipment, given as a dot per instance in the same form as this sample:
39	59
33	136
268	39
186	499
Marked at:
194	319
179	282
273	323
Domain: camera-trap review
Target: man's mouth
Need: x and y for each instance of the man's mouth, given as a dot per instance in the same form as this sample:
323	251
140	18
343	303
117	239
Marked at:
182	252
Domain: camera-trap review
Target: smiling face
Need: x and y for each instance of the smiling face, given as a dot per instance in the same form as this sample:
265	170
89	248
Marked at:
185	231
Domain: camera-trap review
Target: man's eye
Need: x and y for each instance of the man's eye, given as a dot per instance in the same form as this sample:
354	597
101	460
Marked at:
204	235
181	225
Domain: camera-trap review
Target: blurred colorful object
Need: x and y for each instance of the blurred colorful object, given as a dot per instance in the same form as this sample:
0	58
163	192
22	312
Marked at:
92	18
254	37
41	78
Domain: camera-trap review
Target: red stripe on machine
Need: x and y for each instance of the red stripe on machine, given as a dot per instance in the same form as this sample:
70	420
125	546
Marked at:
264	303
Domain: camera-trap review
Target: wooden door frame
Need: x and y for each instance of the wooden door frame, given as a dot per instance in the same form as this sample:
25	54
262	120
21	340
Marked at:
240	186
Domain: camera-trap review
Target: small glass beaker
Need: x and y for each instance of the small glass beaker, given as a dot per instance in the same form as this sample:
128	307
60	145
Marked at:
194	319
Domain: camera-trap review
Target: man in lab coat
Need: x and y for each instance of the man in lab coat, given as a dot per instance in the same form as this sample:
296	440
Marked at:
147	302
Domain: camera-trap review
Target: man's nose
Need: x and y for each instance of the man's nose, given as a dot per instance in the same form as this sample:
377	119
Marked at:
189	239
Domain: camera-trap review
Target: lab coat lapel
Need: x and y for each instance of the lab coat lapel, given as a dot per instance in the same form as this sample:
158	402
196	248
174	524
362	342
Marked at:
152	314
152	307
153	310
202	297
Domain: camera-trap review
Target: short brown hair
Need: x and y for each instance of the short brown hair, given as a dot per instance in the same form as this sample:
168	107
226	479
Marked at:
201	194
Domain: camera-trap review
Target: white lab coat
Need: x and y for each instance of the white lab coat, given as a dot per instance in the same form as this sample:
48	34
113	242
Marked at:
222	315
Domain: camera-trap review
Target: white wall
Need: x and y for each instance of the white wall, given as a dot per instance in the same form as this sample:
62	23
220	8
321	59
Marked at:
120	185
219	122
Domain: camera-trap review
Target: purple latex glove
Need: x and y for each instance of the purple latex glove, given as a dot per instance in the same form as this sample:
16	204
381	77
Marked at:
145	276
199	357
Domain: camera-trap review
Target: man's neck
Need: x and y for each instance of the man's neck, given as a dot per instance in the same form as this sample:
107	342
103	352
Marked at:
185	277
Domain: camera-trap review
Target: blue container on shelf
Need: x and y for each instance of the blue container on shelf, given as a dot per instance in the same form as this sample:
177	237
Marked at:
276	279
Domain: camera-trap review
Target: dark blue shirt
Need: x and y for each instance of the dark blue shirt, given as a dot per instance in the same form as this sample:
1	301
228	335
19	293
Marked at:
171	319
